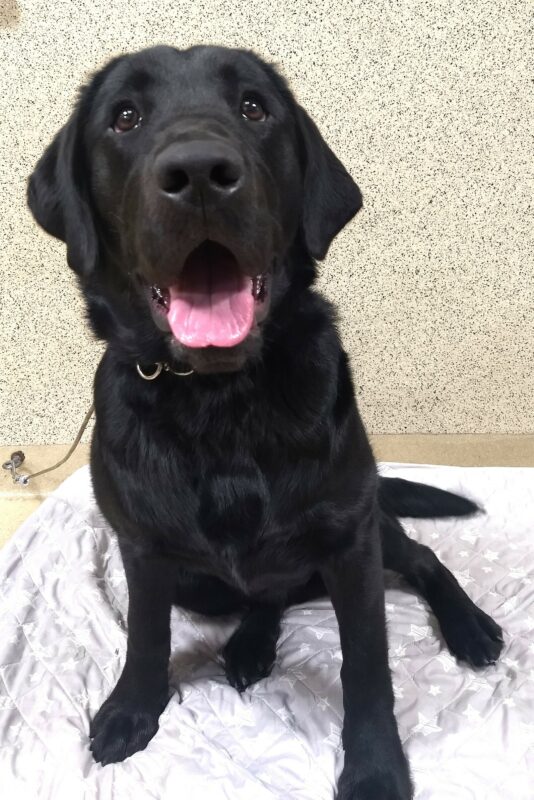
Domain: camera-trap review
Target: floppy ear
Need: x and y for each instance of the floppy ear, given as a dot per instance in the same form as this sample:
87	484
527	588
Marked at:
58	199
331	197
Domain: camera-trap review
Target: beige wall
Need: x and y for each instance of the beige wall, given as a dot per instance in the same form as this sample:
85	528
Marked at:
428	102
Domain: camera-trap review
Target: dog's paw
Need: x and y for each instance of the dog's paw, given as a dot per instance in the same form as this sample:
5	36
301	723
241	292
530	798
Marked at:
119	730
473	637
379	786
248	659
376	767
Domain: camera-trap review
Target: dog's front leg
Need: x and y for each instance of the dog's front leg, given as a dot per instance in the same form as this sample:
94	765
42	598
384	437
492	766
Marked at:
129	717
375	765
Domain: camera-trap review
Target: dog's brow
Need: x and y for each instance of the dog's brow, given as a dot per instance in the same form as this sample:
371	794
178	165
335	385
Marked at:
139	79
128	78
229	73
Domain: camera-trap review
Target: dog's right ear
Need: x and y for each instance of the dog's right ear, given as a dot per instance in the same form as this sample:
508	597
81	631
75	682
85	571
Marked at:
58	198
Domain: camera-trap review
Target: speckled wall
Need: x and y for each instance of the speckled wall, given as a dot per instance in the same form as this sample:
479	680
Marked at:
429	103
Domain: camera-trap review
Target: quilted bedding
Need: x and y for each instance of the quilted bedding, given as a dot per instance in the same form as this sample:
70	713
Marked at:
62	644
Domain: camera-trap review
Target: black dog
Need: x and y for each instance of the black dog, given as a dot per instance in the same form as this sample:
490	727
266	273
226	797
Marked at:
194	196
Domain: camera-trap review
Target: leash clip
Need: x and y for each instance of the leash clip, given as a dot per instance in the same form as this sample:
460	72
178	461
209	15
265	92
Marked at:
16	460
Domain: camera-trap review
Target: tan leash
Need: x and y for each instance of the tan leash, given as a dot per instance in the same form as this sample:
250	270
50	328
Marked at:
18	458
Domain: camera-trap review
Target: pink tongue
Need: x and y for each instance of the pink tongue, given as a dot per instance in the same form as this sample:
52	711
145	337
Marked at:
212	305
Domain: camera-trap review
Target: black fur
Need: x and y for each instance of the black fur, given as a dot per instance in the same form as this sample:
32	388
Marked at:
410	499
249	485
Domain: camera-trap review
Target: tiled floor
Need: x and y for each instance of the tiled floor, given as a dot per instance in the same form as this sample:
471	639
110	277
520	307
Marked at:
17	502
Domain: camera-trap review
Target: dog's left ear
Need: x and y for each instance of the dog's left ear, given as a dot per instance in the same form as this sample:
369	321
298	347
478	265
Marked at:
331	197
58	200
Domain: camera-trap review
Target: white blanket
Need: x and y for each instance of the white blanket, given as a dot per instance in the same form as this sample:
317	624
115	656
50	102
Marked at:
62	645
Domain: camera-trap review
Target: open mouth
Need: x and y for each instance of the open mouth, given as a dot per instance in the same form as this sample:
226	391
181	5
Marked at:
213	303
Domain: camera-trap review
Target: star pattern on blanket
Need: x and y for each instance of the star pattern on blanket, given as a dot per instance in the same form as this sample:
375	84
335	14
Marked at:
472	714
425	725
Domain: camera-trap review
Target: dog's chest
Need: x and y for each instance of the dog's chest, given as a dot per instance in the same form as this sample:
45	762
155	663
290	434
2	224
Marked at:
245	522
247	496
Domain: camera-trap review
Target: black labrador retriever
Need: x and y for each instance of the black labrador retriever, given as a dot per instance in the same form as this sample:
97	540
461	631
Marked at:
195	196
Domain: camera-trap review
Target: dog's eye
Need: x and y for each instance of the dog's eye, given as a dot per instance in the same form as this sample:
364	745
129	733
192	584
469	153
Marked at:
127	119
253	110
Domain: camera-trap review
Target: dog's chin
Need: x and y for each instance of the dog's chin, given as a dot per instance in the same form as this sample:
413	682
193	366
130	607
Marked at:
215	360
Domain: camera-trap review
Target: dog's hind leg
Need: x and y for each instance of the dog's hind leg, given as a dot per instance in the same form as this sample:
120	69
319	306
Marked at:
471	635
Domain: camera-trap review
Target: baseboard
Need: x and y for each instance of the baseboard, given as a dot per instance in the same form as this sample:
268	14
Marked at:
462	450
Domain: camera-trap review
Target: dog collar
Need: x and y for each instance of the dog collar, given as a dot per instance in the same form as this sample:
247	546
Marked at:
159	367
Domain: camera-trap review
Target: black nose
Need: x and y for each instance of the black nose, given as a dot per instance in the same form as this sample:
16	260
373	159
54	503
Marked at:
207	169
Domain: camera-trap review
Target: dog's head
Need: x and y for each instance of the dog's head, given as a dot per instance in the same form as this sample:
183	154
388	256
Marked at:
188	186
